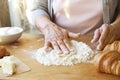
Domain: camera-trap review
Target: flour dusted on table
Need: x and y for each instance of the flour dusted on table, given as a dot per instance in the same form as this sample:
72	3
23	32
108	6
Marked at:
83	54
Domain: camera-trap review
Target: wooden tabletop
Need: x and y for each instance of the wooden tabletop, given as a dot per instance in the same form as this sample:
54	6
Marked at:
27	45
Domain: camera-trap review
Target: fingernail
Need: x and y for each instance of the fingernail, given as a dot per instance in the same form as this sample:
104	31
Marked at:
92	41
62	55
47	49
60	52
66	52
72	49
98	48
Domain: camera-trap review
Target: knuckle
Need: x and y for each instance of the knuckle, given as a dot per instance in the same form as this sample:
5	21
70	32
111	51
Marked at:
53	39
60	37
67	42
96	31
60	42
53	43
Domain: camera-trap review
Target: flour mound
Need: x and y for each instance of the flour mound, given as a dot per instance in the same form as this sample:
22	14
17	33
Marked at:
83	54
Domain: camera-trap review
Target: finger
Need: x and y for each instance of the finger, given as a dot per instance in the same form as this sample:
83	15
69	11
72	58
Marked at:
74	35
111	40
102	40
63	47
96	36
47	45
56	47
68	45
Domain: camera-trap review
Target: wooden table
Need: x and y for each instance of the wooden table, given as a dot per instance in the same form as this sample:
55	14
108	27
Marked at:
26	46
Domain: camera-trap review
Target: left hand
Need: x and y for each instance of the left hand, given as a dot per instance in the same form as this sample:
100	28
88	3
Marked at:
106	34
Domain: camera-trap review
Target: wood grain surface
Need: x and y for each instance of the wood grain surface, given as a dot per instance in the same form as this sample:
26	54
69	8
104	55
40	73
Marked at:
25	48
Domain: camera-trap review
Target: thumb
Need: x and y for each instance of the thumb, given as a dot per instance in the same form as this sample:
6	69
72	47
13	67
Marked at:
47	45
96	36
74	35
104	40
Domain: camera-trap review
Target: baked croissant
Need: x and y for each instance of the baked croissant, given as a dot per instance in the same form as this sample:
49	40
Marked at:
108	62
3	52
114	46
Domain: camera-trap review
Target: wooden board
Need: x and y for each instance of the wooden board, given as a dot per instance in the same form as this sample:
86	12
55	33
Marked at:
21	68
26	46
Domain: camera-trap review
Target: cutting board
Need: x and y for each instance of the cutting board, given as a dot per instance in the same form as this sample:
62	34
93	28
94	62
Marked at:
20	68
27	45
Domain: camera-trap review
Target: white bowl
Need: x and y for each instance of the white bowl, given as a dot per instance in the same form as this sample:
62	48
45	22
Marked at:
10	34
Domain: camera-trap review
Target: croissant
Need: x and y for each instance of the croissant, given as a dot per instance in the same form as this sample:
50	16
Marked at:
3	52
114	46
108	62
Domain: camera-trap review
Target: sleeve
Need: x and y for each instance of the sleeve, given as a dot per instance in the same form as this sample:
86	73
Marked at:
119	7
36	8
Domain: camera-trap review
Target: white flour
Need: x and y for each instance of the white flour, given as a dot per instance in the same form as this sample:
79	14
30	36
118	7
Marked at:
83	54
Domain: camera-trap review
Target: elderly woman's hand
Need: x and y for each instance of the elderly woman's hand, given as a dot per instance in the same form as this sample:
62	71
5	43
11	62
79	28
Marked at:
58	38
106	34
55	36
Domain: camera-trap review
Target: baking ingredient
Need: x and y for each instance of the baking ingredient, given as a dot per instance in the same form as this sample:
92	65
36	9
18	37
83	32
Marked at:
8	65
82	54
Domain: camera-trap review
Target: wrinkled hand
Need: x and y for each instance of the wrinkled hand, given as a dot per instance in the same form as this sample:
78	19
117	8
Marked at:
58	38
106	34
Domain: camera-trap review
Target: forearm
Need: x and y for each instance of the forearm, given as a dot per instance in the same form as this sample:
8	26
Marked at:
36	8
116	23
116	27
42	21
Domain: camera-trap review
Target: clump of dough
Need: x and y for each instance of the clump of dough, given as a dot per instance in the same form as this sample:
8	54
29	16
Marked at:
8	65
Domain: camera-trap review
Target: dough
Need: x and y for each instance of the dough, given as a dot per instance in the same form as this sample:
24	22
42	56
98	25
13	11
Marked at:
83	54
8	65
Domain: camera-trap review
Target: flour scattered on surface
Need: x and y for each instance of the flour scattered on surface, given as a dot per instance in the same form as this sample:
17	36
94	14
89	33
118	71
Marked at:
83	54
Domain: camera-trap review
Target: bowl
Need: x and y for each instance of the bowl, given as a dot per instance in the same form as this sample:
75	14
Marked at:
10	34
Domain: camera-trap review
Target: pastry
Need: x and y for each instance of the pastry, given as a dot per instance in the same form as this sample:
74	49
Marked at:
114	46
108	62
3	51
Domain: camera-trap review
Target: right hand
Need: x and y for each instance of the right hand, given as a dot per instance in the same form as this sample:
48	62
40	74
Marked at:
58	38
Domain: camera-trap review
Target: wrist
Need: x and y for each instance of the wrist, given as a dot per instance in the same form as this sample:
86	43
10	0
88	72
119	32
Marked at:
116	23
42	22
